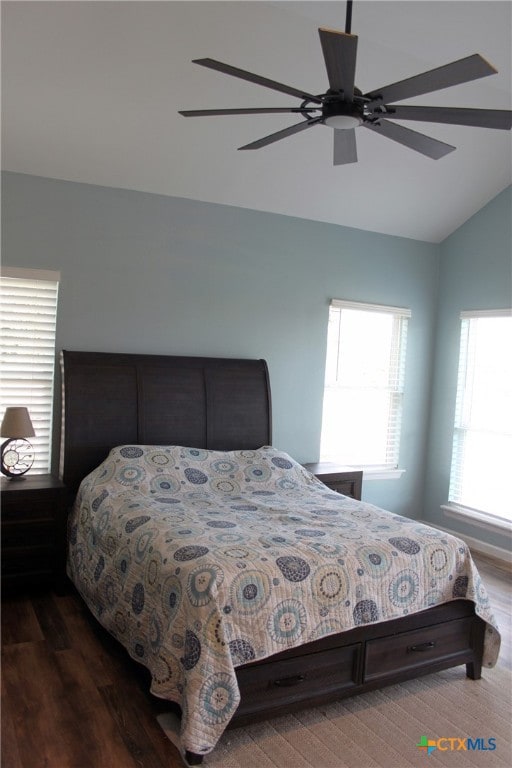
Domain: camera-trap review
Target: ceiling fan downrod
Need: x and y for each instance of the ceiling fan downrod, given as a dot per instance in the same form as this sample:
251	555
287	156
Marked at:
348	18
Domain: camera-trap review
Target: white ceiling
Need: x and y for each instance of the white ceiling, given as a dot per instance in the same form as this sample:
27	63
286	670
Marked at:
91	92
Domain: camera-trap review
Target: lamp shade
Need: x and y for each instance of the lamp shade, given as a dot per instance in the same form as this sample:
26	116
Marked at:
16	423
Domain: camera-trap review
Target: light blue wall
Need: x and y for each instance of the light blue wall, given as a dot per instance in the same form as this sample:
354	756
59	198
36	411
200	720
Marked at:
475	273
147	273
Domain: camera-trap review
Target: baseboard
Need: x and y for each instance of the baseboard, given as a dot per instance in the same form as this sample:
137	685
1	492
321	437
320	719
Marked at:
475	545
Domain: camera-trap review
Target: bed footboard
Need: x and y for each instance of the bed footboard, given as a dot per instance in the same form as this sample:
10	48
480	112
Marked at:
360	660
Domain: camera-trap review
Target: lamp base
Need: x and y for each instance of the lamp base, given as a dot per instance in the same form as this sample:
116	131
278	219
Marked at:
17	457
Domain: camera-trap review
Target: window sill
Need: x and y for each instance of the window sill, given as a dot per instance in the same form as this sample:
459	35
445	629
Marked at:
376	473
369	472
382	474
473	516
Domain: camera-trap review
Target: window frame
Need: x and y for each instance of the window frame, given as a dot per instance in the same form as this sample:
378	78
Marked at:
40	402
454	507
402	315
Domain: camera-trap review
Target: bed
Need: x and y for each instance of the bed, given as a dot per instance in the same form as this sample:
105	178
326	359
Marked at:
246	586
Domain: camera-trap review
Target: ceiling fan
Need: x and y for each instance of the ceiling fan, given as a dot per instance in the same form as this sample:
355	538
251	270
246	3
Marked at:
344	108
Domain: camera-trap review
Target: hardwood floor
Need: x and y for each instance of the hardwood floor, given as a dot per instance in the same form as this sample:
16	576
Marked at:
72	698
497	577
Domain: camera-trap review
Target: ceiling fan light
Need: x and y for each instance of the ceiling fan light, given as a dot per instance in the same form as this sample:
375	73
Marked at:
342	122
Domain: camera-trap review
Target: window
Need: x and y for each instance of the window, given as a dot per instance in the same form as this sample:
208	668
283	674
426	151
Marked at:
364	382
482	438
28	301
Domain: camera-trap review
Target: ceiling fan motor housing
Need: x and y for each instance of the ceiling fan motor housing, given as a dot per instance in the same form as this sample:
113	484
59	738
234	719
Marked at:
340	114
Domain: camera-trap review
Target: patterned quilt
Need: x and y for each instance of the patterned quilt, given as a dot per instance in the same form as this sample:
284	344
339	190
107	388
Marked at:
199	561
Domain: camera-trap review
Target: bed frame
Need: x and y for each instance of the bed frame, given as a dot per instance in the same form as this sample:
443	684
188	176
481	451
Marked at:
112	399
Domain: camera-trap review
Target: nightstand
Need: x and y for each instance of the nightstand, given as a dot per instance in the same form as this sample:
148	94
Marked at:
33	532
338	478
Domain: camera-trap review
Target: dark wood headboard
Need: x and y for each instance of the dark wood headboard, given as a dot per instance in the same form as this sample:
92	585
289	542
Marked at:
111	399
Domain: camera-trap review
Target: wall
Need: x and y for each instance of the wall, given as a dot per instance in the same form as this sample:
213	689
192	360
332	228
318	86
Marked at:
147	273
475	273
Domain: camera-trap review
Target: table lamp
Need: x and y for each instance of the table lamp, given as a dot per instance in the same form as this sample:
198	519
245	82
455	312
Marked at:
17	454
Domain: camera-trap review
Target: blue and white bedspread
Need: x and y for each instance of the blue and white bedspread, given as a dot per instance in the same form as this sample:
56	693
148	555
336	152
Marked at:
199	561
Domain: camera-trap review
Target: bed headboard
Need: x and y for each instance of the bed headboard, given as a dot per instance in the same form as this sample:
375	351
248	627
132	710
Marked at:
110	399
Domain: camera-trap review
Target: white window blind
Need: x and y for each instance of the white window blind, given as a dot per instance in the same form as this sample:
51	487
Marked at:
28	310
482	437
364	384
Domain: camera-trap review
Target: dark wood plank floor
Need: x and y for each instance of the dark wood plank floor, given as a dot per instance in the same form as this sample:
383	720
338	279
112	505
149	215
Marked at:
72	698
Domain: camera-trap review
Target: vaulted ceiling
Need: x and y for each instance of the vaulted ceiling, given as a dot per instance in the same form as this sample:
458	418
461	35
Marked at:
91	93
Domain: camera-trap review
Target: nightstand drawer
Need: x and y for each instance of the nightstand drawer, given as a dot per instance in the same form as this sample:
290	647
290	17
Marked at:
28	559
418	648
33	531
346	487
29	506
24	533
34	511
341	479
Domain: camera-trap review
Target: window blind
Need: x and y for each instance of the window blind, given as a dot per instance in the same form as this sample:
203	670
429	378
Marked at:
364	384
28	311
482	436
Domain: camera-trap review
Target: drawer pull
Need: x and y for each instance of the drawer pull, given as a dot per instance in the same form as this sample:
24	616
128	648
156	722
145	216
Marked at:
286	682
422	646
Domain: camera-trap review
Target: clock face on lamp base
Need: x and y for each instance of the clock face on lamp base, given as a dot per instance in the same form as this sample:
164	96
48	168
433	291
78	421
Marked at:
17	457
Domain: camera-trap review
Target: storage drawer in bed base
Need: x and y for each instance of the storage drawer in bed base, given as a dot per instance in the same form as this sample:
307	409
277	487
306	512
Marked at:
361	660
284	682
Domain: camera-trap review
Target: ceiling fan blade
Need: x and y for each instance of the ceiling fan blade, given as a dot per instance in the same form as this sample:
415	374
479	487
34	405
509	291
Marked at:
479	118
461	71
412	139
250	111
345	149
282	134
340	52
227	69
